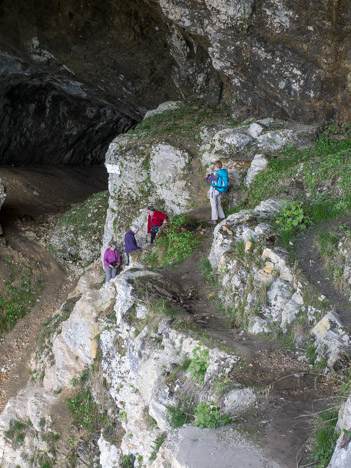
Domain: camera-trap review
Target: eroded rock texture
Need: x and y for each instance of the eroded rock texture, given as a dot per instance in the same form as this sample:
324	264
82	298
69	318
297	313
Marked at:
70	72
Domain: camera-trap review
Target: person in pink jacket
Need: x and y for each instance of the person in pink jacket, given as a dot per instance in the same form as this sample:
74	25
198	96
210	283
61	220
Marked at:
111	261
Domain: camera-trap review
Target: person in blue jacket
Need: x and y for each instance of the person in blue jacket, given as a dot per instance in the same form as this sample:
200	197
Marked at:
130	241
215	195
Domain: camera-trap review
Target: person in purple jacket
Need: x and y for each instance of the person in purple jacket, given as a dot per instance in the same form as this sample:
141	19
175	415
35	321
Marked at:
111	261
130	241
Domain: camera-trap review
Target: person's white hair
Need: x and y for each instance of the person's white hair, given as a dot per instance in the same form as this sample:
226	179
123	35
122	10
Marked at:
134	227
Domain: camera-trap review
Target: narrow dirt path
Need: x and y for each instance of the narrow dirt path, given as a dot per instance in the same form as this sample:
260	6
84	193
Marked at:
309	260
290	391
36	192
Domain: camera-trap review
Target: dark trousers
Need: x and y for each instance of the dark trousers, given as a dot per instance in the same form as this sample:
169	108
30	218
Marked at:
127	259
153	235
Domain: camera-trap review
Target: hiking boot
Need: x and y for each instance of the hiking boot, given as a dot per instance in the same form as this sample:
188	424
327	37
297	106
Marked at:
213	221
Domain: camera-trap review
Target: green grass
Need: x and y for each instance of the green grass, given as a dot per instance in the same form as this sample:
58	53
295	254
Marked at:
84	223
21	290
206	270
186	121
173	244
163	307
177	416
86	412
326	437
324	162
89	215
158	442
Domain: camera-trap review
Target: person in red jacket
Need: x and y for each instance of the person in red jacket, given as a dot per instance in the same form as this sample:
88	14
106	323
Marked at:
154	221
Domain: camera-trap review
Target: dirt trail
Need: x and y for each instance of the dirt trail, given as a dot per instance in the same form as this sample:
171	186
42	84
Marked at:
290	391
36	192
307	254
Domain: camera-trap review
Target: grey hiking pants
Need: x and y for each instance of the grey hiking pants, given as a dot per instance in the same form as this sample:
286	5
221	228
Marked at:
110	273
216	205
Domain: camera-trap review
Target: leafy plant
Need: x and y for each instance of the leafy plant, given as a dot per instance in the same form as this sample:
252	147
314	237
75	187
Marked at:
210	416
291	217
199	364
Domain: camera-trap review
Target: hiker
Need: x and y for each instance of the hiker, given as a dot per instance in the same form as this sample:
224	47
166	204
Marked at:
219	184
130	241
154	222
111	261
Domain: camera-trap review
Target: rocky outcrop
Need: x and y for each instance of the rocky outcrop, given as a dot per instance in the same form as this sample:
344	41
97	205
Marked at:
342	454
191	447
2	194
142	353
50	122
77	236
75	75
162	168
263	293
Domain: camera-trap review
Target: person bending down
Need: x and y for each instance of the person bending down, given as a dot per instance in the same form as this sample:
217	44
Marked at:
111	261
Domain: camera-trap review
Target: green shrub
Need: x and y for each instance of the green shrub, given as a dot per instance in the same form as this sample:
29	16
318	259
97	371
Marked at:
210	415
177	416
199	364
291	218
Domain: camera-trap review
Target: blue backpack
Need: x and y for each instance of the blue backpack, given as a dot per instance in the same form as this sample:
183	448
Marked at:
222	183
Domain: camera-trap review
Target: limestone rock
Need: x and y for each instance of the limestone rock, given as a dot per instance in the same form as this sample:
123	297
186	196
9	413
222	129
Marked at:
224	144
33	404
2	194
342	454
164	107
258	164
255	130
331	339
191	447
109	454
76	346
142	176
237	401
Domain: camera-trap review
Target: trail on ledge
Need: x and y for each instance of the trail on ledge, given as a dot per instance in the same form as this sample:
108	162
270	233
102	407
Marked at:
37	192
289	391
309	260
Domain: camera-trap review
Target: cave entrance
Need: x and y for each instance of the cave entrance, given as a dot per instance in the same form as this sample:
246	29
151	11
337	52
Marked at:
33	193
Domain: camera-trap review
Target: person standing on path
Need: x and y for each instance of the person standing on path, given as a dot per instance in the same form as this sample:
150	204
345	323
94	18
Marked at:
218	176
154	222
111	261
130	241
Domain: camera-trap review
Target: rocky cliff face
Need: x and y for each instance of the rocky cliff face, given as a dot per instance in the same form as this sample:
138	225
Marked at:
75	75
